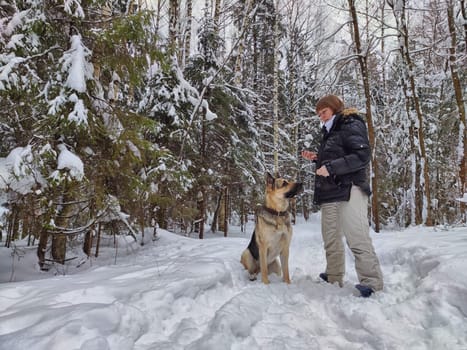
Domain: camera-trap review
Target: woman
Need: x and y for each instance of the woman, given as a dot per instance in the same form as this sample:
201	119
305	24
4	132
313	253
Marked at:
342	190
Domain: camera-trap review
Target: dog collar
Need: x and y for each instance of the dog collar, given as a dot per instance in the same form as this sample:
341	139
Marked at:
275	212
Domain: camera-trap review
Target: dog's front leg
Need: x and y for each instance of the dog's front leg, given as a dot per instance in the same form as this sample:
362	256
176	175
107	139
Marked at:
263	263
285	264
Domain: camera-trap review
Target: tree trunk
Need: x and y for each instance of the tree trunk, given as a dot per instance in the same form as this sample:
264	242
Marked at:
241	42
42	247
174	9
158	16
202	210
242	215
425	187
415	198
459	96
293	210
59	239
362	60
215	217
222	211
12	226
161	218
305	207
276	93
425	205
87	244
98	242
226	211
202	194
187	34
59	247
217	12
464	17
142	225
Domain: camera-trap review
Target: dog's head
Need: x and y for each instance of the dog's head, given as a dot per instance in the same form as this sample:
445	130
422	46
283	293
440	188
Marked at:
279	190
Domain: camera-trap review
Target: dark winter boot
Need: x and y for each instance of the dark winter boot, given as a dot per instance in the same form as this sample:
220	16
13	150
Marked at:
365	291
324	276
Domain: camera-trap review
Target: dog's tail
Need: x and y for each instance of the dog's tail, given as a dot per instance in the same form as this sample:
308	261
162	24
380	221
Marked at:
253	247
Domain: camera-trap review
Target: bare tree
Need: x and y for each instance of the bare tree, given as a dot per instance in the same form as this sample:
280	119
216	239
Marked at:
241	41
422	186
456	81
275	101
158	14
362	60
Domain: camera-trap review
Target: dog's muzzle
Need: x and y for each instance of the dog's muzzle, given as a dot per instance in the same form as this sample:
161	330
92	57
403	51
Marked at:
297	189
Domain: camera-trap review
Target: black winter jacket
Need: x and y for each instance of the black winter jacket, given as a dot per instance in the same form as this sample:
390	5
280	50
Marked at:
345	151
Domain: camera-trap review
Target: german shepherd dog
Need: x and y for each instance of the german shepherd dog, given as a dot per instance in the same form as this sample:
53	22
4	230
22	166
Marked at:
273	232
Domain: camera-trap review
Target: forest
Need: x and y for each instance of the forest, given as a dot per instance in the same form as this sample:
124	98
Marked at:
122	115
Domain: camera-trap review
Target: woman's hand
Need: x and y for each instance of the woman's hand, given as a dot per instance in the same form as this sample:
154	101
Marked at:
310	155
323	171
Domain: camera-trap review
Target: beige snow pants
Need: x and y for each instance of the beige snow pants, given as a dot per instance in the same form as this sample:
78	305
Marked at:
350	219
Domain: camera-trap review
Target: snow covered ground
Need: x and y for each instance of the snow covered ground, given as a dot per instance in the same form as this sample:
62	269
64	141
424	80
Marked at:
185	293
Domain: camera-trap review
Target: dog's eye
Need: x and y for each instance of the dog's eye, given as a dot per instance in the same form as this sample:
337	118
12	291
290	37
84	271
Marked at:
284	184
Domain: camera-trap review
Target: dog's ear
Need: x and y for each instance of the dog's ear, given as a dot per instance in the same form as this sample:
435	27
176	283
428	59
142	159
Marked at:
269	180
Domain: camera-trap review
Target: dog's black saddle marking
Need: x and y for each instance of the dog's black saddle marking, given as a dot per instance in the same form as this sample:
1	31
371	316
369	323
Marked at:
253	247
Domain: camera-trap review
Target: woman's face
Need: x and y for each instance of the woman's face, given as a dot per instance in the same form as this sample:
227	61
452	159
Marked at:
325	114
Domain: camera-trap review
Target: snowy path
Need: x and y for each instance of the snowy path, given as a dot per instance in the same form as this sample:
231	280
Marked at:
183	293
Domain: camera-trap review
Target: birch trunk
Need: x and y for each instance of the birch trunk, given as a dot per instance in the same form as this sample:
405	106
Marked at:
174	9
187	33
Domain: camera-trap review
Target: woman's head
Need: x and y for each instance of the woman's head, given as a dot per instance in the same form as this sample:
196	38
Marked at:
330	101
